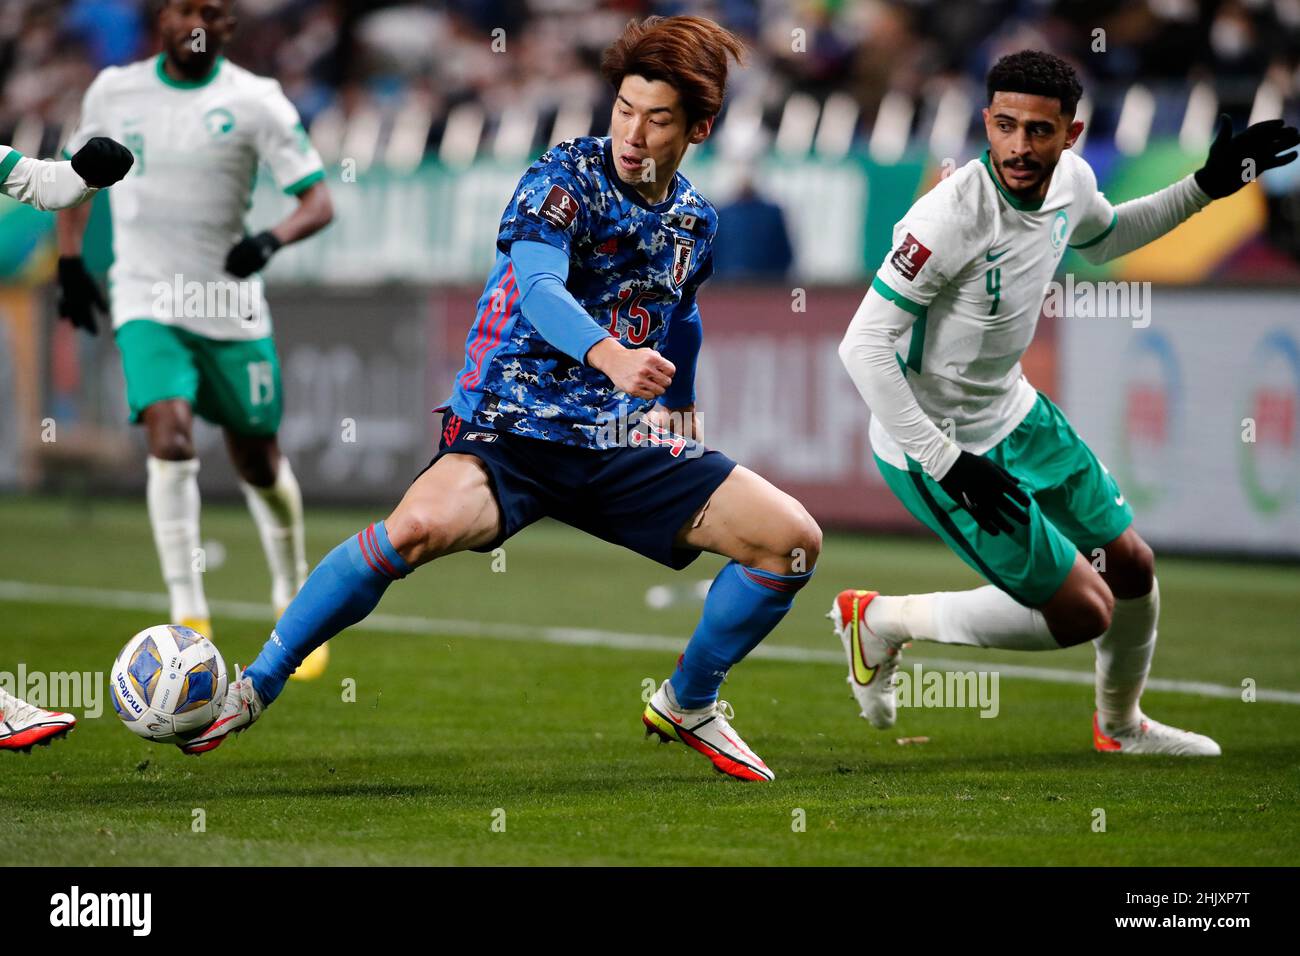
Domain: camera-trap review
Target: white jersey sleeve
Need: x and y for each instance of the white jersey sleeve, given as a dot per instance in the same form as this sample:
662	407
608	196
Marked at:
1133	224
39	183
284	145
1097	218
888	332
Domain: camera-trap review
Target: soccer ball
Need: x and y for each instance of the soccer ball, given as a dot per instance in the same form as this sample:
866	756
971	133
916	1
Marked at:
169	683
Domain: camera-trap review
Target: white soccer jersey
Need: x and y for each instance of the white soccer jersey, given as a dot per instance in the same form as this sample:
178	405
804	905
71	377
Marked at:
181	209
970	267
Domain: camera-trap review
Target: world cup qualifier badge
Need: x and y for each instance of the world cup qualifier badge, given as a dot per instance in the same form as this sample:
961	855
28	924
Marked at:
682	246
909	257
558	208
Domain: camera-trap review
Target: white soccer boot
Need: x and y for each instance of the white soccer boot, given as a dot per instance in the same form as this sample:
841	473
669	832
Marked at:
1149	736
873	661
707	730
24	726
241	707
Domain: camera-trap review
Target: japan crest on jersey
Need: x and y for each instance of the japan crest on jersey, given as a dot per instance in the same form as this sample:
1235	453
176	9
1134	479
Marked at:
682	246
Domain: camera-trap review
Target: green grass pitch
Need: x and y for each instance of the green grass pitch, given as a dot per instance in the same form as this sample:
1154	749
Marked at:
452	732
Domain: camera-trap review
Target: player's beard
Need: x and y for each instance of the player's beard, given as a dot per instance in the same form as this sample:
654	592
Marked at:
1044	175
193	64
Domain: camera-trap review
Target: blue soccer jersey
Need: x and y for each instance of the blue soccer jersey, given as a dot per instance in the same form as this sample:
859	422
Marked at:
633	267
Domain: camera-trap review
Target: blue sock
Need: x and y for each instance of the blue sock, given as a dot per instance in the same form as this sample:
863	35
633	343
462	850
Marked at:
743	606
341	591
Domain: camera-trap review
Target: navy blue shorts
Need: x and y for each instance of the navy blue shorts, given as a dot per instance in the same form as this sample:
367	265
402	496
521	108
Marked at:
637	495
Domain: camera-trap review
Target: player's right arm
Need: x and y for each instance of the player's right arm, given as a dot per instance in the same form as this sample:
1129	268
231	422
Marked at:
900	295
927	255
537	232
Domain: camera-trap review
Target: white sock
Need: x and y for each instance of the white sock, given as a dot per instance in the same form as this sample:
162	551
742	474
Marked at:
277	512
1124	655
983	617
172	493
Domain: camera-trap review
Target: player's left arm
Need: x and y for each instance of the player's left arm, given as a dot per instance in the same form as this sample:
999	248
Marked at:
675	409
1233	162
284	146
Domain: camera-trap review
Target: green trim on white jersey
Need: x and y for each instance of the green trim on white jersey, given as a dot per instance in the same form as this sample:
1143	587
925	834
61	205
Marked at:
1016	203
304	184
187	84
1104	233
8	163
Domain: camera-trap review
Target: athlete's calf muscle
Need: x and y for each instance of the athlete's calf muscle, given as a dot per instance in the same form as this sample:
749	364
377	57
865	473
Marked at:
1081	608
447	509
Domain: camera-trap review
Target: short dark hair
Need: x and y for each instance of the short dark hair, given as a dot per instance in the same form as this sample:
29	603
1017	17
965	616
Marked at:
1039	74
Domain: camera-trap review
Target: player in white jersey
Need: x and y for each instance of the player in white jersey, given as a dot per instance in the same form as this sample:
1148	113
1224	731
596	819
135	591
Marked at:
971	448
46	185
189	314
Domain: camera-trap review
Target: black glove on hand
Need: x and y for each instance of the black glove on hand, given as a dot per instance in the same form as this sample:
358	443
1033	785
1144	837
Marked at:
102	162
251	254
1224	173
983	488
79	296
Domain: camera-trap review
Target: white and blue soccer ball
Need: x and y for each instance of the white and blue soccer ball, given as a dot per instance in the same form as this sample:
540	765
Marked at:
168	683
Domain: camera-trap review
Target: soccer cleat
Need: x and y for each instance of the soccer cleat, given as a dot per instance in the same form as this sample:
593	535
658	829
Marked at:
873	661
1152	737
24	726
201	624
241	707
707	730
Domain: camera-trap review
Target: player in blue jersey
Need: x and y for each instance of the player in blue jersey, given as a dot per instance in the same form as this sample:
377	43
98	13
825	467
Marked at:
577	401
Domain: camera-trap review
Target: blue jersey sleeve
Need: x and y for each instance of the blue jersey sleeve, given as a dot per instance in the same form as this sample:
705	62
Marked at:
549	205
540	272
682	345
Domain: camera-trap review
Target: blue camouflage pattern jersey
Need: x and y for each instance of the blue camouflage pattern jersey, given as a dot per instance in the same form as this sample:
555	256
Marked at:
631	265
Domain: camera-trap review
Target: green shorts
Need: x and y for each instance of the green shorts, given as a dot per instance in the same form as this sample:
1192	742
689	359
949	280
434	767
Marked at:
1076	506
231	383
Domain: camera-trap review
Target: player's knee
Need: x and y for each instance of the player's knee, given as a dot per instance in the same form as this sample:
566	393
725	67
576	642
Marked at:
257	471
799	544
418	534
172	445
1085	618
808	539
1132	572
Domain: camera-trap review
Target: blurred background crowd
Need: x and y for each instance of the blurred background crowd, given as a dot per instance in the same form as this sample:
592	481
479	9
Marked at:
353	59
846	112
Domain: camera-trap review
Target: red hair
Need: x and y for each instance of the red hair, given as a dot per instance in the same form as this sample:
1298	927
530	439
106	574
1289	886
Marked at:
688	53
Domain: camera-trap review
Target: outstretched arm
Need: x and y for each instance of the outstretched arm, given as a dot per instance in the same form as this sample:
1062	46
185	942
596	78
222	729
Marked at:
48	185
1233	162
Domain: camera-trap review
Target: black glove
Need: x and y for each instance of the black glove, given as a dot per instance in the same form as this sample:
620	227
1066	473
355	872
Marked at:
983	488
102	162
251	254
1223	173
79	296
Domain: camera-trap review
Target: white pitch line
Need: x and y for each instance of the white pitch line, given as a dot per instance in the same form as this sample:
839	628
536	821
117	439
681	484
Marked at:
26	592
